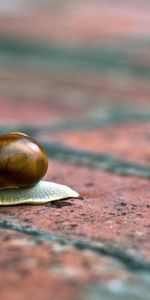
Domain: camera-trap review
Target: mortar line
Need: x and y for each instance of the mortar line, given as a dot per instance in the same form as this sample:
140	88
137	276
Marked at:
128	259
102	161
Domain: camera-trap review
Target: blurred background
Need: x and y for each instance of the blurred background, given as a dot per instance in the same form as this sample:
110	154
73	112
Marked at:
73	61
76	75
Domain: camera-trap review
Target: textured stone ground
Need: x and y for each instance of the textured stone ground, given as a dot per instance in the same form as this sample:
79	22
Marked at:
77	80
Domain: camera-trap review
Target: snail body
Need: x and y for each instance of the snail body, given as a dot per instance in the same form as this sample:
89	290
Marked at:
23	163
43	192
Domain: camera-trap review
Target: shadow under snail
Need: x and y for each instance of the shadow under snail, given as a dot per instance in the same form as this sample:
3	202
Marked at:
23	163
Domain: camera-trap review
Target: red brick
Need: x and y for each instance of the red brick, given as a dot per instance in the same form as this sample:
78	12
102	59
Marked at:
128	142
84	24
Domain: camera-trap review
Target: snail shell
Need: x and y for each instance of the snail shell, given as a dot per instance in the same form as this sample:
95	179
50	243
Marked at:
23	163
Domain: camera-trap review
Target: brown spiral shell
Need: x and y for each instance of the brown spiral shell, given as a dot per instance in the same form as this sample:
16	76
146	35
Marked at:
23	161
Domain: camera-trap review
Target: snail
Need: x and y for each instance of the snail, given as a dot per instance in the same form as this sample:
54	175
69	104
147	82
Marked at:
23	164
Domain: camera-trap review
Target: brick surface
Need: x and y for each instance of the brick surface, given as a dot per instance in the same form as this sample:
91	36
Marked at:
27	265
114	209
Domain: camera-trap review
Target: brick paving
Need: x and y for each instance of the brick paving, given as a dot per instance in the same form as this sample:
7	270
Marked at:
83	92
